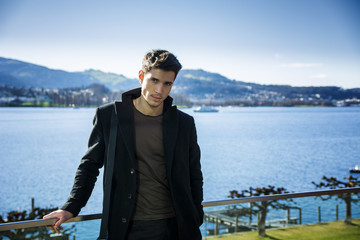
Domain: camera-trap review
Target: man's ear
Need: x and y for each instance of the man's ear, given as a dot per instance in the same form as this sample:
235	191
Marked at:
141	76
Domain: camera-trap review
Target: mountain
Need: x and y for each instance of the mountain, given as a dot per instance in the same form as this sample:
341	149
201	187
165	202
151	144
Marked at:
196	83
199	85
113	81
21	74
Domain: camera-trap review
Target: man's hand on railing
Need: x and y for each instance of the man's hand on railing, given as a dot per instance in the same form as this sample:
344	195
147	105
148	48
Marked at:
62	216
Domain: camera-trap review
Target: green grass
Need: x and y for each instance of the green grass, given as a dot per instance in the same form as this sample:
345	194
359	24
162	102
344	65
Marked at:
37	104
329	231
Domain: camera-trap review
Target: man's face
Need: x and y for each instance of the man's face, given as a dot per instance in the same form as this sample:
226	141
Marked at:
156	86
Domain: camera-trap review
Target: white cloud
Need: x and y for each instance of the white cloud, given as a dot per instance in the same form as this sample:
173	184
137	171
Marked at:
320	75
302	65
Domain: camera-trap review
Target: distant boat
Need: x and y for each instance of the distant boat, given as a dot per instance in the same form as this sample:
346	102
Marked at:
205	109
356	169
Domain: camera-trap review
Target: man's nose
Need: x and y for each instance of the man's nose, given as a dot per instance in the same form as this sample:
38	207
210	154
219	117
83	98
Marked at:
159	88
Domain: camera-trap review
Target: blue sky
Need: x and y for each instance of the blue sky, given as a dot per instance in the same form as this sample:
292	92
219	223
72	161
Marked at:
297	42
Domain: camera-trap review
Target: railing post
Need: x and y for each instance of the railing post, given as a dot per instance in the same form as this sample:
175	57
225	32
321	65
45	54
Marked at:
319	214
300	220
288	215
236	222
32	204
216	231
250	213
337	212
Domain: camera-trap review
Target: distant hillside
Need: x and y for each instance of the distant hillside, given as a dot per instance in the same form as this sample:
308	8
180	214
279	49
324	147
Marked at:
113	81
21	74
199	85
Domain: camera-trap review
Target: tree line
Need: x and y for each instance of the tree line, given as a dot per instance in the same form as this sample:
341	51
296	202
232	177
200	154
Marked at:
91	96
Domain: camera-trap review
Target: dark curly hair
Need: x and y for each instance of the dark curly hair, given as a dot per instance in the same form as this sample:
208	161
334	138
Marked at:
161	59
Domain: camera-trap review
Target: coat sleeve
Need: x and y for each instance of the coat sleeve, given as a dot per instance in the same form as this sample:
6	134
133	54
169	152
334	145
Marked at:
196	178
88	170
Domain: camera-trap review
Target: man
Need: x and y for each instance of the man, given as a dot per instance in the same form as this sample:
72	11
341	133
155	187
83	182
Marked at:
152	174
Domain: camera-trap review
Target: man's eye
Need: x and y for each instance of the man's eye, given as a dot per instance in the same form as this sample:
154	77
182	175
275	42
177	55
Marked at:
168	83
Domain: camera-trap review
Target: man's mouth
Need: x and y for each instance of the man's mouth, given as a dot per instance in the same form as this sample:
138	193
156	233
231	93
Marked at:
156	98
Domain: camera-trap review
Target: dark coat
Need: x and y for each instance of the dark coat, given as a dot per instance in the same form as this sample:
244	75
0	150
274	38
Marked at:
182	155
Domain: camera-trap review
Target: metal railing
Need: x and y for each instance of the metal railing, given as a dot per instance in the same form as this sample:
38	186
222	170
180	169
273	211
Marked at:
49	222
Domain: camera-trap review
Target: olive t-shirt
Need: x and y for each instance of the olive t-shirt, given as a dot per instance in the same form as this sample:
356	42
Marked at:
153	197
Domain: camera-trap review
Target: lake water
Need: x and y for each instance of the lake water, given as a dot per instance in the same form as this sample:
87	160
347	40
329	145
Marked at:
40	149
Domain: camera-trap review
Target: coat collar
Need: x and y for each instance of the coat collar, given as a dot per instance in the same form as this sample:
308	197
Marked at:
135	93
170	131
125	113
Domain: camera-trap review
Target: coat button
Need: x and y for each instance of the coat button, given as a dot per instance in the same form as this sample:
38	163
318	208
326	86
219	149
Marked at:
123	220
130	196
132	171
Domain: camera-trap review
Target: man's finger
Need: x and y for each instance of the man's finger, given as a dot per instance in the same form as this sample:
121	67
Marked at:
50	215
61	215
59	222
58	229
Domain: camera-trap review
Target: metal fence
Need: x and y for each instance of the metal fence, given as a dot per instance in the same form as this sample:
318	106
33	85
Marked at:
48	222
